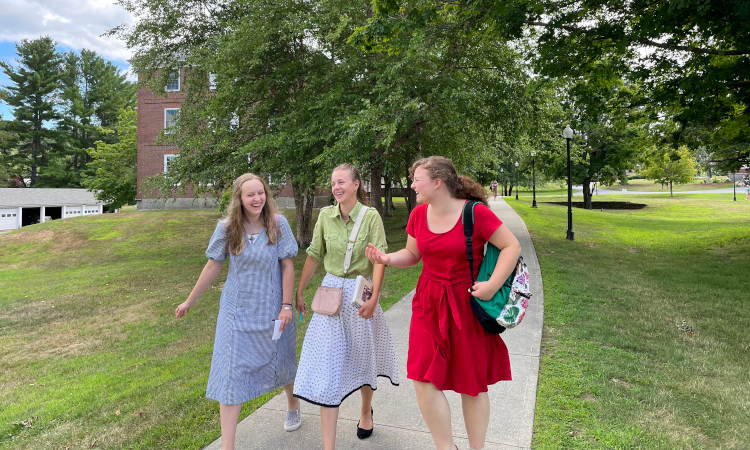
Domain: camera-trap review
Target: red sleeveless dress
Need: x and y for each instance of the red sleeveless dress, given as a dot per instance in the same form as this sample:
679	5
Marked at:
447	345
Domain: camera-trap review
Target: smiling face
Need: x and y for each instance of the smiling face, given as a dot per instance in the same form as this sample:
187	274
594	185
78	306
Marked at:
424	186
253	197
342	186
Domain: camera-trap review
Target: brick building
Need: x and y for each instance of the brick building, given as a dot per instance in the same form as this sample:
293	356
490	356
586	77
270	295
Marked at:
156	112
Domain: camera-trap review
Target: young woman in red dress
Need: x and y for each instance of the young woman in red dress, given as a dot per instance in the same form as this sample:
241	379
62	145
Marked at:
448	348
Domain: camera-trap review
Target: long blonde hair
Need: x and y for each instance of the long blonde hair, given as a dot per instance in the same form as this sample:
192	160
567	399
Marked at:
235	231
354	175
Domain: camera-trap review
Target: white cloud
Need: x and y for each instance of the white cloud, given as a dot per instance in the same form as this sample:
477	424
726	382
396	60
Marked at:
72	23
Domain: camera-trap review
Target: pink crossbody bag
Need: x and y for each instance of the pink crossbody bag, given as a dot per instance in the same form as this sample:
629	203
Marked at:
328	300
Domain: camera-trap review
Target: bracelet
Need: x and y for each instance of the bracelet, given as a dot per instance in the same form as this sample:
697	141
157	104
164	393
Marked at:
288	308
289	304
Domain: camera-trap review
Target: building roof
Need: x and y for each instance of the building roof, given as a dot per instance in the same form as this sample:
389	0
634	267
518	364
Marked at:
35	197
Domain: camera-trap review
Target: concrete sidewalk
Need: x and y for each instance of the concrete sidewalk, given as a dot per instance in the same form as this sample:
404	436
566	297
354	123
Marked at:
398	422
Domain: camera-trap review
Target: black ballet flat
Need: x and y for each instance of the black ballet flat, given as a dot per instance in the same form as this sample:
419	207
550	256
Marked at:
362	433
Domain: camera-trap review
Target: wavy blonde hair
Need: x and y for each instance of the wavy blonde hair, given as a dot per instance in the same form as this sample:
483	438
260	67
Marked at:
235	231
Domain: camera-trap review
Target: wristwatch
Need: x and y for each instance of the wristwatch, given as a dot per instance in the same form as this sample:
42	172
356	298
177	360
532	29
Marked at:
287	307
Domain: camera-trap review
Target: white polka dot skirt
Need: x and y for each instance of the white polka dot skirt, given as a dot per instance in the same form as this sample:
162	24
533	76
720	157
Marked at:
343	353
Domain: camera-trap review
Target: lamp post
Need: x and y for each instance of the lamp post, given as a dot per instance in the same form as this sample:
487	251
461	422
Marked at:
567	134
533	179
501	179
516	180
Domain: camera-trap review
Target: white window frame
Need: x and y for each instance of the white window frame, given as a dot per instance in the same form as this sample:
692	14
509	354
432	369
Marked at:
166	161
212	81
166	128
179	83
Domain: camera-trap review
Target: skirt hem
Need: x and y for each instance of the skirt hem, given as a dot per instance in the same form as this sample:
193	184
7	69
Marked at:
347	395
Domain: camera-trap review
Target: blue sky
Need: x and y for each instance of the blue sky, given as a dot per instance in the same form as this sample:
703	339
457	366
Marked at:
73	24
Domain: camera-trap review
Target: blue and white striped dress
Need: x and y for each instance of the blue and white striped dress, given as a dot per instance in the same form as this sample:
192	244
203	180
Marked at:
246	362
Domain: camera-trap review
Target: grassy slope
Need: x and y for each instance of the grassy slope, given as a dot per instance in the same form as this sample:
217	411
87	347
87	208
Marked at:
645	338
90	349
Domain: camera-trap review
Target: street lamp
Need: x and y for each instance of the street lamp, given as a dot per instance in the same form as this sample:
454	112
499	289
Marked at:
501	179
516	180
533	178
567	134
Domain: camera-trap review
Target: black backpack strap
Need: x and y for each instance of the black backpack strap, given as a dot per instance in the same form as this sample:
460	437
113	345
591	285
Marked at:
467	218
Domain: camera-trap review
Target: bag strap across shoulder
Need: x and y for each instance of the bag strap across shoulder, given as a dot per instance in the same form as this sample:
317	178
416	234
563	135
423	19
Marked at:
467	219
353	239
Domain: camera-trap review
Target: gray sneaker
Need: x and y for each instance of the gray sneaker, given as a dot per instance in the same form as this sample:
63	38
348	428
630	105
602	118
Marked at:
293	418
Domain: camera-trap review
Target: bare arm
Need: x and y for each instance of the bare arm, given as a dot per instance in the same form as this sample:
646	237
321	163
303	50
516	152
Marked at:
208	275
405	257
307	272
287	286
510	250
368	309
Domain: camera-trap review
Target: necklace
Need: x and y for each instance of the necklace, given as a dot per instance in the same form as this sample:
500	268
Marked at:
249	232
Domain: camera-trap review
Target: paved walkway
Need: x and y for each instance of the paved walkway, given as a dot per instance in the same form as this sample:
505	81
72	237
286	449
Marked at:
398	422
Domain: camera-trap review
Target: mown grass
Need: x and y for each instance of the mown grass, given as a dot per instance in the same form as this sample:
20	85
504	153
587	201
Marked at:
646	341
91	353
650	186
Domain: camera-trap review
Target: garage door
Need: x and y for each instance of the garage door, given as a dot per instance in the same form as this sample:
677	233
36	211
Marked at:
8	219
72	212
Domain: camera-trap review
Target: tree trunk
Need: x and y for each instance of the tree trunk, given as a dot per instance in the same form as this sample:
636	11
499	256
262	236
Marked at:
376	190
708	176
671	194
389	205
587	204
410	196
510	189
304	197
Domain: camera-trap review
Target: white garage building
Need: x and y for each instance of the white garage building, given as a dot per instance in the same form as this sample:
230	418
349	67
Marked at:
20	207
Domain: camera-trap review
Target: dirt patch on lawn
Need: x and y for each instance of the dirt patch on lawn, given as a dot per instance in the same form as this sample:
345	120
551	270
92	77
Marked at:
603	205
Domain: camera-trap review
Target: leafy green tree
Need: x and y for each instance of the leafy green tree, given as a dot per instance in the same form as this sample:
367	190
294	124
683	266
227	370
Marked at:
32	95
668	166
114	165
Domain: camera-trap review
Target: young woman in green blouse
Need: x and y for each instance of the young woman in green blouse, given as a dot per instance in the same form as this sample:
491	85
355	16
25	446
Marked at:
346	352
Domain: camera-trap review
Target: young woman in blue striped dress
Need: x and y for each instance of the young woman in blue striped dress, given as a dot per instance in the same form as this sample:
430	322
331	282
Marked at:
246	362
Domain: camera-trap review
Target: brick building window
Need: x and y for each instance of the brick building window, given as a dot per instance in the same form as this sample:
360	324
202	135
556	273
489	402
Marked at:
167	160
173	83
169	117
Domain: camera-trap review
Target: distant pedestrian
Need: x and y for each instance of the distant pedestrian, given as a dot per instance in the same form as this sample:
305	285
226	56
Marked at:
448	348
246	362
493	188
346	351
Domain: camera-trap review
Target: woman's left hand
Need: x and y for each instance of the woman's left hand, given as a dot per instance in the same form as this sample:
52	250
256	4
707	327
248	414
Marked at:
483	290
367	310
285	316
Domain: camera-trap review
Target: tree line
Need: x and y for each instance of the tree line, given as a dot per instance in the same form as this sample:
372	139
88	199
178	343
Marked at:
66	106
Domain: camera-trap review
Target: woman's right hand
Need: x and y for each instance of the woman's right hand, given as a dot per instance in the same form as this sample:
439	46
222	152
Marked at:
183	309
376	255
301	305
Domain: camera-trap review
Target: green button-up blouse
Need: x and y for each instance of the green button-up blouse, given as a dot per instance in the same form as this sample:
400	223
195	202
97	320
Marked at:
331	235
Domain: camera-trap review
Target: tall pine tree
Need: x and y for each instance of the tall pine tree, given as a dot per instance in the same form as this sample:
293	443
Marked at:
32	95
93	92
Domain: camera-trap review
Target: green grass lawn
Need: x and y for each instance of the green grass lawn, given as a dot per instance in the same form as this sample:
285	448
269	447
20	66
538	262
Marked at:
91	353
646	341
650	186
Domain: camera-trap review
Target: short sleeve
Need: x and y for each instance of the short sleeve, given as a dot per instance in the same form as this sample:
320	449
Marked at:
217	247
377	231
286	244
485	222
411	224
317	248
